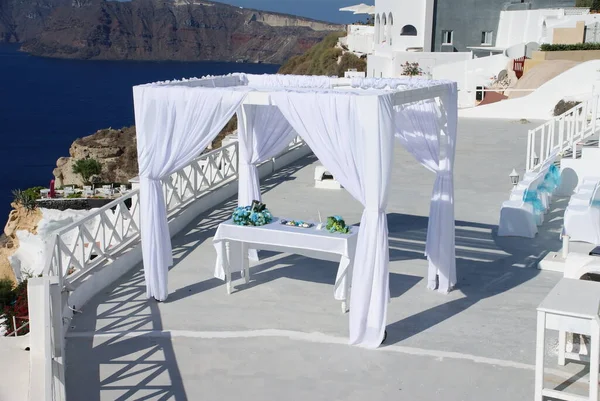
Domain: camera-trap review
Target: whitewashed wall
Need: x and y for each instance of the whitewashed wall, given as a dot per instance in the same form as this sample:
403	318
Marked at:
403	12
360	38
389	64
469	74
526	26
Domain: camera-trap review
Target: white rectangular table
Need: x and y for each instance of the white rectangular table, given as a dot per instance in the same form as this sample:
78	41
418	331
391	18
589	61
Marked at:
572	306
232	243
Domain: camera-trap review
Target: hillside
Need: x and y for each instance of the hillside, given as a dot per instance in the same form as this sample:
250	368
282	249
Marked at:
182	30
324	58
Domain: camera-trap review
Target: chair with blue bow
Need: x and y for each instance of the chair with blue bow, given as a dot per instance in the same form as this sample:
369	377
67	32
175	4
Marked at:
582	221
520	217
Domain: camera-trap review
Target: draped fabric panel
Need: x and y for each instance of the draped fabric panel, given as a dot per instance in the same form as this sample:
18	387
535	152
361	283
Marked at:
263	133
431	139
338	129
174	125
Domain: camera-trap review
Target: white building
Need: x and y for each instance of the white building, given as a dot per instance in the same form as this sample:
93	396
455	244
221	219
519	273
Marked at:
404	31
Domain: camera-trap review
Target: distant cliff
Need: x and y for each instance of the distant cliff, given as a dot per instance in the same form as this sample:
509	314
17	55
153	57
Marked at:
183	30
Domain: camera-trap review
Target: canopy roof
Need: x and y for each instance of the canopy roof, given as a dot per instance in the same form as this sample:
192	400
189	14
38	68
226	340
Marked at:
260	87
349	124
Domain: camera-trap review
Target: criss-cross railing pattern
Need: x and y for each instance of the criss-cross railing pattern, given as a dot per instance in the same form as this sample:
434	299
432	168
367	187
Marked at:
99	237
563	132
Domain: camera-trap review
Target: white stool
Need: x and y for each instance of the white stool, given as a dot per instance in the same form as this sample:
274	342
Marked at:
571	306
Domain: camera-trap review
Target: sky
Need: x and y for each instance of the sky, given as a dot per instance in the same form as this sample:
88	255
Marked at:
326	10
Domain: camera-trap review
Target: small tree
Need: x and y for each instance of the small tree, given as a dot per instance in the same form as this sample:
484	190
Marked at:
411	69
87	168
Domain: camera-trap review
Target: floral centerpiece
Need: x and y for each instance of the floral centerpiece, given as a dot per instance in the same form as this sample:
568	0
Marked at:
255	215
335	224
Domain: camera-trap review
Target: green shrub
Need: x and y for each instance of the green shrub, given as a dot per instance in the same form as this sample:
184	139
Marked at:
411	69
564	106
321	59
546	47
349	61
27	198
15	305
6	292
594	5
86	168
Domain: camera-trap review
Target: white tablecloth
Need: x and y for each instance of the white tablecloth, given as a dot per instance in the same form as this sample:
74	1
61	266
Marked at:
310	242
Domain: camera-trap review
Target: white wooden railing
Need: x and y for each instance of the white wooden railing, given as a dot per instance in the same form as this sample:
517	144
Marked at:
563	132
93	240
84	246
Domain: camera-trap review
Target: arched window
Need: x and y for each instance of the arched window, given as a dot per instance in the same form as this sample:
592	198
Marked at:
384	29
391	25
377	28
408	30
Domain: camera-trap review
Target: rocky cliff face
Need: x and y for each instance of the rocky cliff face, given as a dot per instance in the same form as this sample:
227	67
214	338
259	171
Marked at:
114	149
156	30
19	219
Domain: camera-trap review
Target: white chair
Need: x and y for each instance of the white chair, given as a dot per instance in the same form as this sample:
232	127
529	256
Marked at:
583	196
88	191
519	193
520	217
582	222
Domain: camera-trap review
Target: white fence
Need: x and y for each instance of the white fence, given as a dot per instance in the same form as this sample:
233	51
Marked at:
92	243
563	132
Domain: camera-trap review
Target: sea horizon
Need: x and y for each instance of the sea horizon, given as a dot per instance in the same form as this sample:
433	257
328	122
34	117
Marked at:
47	103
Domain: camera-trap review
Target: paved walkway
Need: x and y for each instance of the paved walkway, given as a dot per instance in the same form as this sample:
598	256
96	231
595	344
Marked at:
283	336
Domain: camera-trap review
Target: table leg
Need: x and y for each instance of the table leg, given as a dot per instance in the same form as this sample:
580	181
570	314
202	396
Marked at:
539	355
344	307
245	262
562	345
594	360
227	265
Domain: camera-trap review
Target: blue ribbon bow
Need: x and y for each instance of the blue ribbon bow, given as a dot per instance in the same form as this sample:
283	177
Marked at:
533	198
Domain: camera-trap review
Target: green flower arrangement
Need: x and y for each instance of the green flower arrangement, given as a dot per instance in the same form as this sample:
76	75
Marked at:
335	224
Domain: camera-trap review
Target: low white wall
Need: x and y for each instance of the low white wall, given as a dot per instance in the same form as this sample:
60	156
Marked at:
389	64
111	272
469	74
427	60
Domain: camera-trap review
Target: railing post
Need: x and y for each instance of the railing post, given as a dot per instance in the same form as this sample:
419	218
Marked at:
41	361
561	133
595	113
542	143
534	133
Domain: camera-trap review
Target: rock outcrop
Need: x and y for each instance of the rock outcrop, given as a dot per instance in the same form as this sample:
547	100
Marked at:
19	219
114	149
156	30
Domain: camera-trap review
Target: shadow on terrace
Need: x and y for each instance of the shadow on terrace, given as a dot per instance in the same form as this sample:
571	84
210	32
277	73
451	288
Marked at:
119	364
111	361
486	265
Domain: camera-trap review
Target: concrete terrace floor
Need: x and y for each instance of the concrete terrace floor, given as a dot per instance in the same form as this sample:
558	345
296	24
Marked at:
283	336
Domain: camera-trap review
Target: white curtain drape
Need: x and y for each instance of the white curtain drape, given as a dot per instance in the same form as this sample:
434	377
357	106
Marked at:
263	133
424	129
354	141
174	124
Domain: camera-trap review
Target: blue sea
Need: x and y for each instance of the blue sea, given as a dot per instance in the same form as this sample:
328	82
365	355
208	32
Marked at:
45	104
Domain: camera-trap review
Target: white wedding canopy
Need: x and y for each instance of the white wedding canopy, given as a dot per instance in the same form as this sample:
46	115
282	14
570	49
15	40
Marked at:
350	125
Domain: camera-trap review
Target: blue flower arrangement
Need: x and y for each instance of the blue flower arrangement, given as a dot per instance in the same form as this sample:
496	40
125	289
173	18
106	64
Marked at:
255	215
335	224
